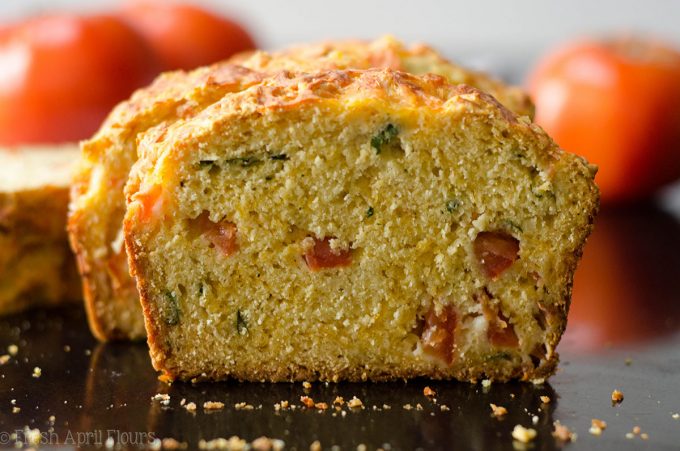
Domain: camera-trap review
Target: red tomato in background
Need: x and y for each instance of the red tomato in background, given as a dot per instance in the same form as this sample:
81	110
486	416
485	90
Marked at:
60	75
186	36
616	103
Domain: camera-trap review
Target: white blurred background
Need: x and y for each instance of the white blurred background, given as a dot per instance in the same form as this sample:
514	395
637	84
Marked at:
502	36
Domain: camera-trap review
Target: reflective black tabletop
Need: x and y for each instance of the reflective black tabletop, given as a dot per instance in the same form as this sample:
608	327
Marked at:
623	333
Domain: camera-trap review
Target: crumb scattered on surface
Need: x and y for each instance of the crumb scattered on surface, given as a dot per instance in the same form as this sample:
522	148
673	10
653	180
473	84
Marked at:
408	407
321	406
171	443
361	447
427	391
13	350
213	405
67	348
486	383
37	372
307	401
315	446
191	407
498	411
617	397
355	403
419	406
563	433
338	401
444	408
306	385
534	420
243	406
644	436
629	435
539	381
160	397
545	399
636	430
628	361
4	359
16	409
267	444
522	434
676	416
597	426
234	443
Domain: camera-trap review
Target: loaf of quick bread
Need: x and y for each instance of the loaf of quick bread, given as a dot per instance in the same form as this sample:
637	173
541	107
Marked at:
354	225
36	264
97	202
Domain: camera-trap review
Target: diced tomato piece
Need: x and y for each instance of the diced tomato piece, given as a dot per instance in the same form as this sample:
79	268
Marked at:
499	332
150	200
438	333
322	256
221	235
495	252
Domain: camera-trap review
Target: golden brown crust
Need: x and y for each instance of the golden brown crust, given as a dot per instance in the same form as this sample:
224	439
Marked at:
396	91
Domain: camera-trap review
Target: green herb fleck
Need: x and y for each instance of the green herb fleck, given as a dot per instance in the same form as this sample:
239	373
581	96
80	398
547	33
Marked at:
513	226
385	136
241	323
171	310
452	205
369	212
204	164
244	162
281	157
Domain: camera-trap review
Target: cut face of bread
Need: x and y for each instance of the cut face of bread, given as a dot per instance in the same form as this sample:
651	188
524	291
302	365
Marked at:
97	202
36	264
356	225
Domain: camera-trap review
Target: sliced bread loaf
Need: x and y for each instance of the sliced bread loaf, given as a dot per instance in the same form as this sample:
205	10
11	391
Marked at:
98	204
36	264
356	225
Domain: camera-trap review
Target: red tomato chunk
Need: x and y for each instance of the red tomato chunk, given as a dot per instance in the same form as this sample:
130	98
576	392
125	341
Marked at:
321	256
495	252
438	334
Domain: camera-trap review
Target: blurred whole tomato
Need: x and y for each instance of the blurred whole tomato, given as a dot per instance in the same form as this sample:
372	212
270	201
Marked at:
186	36
616	103
61	74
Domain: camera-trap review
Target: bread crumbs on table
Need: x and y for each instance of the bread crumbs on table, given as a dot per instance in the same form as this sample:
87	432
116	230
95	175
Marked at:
306	385
355	403
37	372
637	430
427	391
486	383
243	406
444	408
361	447
12	350
522	434
676	416
4	359
171	443
338	401
321	406
563	433
307	401
545	399
191	407
644	436
597	426
617	397
408	407
213	405
419	406
16	409
498	411
315	446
